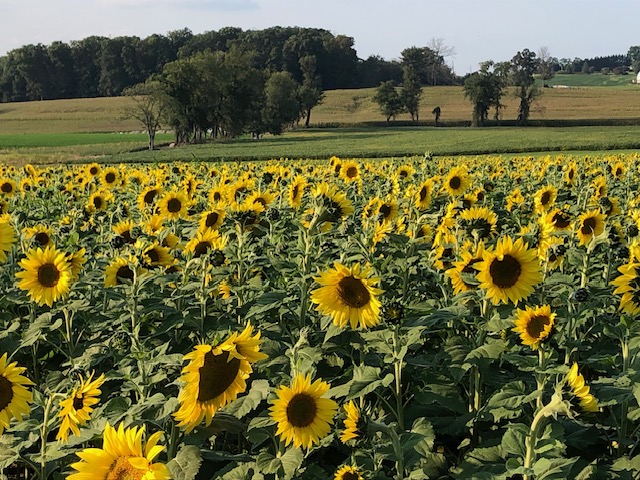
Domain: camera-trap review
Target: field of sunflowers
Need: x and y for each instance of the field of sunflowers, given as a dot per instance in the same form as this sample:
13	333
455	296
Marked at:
341	319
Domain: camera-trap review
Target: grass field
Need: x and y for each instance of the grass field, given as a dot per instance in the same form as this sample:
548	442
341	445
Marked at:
86	129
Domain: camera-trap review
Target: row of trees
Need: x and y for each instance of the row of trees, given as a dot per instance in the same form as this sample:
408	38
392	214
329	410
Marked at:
100	66
617	64
212	94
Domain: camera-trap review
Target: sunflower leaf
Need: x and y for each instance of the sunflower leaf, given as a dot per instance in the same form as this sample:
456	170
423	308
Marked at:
186	464
243	405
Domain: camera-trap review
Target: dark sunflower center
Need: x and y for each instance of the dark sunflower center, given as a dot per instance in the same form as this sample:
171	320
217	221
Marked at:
423	194
350	476
588	226
261	201
301	411
110	177
78	403
41	238
353	292
536	325
201	249
217	196
561	220
7	187
48	275
212	219
97	202
93	170
455	183
150	196
174	205
6	392
545	198
385	211
239	192
404	173
124	272
153	255
572	174
468	268
505	272
352	172
127	236
216	375
296	188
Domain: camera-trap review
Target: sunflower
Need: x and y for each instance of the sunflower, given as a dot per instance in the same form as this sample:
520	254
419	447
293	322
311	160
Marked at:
545	198
76	260
534	324
423	197
478	222
570	173
457	182
212	219
14	396
349	171
40	236
334	204
348	472
599	186
119	270
619	170
7	237
263	198
628	285
93	170
215	376
348	295
387	211
157	256
610	206
206	241
303	415
124	232
147	197
560	219
77	407
110	177
8	187
174	205
462	273
46	275
514	199
590	224
218	194
295	192
98	201
122	456
350	422
510	272
575	381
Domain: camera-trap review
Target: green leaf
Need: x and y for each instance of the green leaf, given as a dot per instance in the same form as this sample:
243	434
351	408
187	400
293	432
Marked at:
186	464
365	380
243	405
291	462
553	468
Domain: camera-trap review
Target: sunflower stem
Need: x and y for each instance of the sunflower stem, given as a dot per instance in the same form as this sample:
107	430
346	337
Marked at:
44	433
541	377
622	432
585	268
306	269
537	425
397	369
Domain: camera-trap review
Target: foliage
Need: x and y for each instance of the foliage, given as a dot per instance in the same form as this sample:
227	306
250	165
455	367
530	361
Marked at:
389	100
484	89
523	66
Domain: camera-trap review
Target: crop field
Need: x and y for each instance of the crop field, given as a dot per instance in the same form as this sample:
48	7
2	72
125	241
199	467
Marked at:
313	319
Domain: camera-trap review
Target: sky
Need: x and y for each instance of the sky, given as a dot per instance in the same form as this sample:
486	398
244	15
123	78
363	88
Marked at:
478	30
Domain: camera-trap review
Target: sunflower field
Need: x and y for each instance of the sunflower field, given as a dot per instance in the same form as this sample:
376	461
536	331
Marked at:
342	319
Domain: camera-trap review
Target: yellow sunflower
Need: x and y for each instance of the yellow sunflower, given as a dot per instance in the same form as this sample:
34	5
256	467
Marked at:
7	237
545	198
76	260
348	472
534	324
124	232
462	272
77	407
295	192
98	201
46	275
590	224
40	236
350	422
110	177
559	219
14	396
205	241
304	416
423	197
514	199
628	285
119	270
93	170
335	204
457	181
215	376
174	205
157	256
587	401
510	272
348	295
8	187
212	219
263	198
478	222
387	211
218	194
122	456
148	197
349	171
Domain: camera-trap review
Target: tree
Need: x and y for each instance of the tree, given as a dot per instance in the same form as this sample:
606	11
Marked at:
441	51
545	64
281	105
633	55
411	92
389	100
523	65
149	106
484	89
310	92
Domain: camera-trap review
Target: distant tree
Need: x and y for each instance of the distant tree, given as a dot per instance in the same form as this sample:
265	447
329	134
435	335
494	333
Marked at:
545	65
310	92
375	70
441	52
411	91
484	89
585	67
523	65
149	106
633	55
436	113
281	107
389	100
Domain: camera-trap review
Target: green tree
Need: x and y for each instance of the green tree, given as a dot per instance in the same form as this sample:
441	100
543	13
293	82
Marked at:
411	92
281	106
633	55
310	92
149	106
523	65
484	89
389	100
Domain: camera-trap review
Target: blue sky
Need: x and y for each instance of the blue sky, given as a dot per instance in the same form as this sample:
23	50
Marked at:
478	29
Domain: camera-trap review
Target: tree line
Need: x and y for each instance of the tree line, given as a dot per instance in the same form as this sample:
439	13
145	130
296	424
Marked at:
101	66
